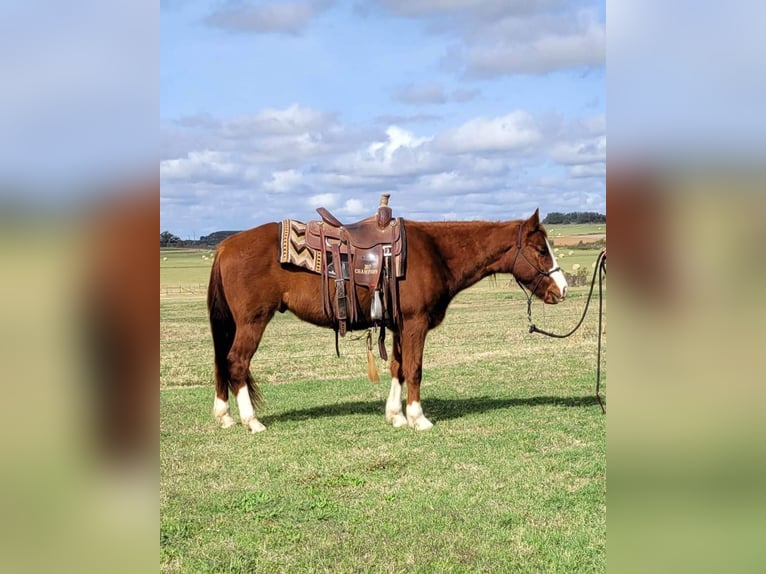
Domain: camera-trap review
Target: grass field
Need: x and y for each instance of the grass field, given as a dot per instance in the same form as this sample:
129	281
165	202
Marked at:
573	229
510	479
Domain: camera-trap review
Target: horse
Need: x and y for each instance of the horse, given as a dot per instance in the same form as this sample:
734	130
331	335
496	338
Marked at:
248	285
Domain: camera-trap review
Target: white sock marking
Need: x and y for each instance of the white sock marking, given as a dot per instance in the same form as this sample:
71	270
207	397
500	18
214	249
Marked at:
415	417
221	413
246	410
394	405
220	408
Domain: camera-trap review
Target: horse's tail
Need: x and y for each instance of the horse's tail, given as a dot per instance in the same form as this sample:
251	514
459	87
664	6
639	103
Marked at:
224	328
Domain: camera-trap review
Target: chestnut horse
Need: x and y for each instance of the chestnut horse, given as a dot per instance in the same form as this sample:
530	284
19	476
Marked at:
248	285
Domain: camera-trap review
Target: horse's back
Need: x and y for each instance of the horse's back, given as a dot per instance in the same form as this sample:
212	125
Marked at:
260	284
251	241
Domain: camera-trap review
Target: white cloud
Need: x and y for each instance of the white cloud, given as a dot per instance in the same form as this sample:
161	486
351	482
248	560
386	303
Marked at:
280	138
283	181
199	165
588	170
354	206
400	154
275	17
463	95
485	168
433	93
515	130
452	182
595	125
581	151
293	120
546	53
415	8
323	200
398	138
503	37
422	94
337	179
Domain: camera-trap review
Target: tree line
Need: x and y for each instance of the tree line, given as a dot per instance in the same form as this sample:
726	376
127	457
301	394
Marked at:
168	239
556	217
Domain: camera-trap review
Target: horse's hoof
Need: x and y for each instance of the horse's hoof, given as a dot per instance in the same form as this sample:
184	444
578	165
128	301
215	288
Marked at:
398	421
227	422
421	423
255	426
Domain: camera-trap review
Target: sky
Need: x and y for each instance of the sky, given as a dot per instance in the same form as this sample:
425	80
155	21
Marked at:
460	109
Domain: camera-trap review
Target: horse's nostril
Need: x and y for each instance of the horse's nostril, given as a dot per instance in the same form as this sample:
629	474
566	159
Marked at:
564	291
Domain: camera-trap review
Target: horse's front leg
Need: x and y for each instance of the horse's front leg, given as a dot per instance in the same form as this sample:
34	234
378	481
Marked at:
413	340
394	403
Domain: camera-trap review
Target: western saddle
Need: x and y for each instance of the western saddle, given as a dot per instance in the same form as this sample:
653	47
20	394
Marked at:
370	253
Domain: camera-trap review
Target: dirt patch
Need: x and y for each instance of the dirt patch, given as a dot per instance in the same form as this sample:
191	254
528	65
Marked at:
568	240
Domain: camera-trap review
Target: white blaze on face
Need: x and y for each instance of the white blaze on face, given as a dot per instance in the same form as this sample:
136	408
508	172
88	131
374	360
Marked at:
557	276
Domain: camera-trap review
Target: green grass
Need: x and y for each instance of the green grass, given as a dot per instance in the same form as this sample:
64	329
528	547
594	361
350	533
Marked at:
568	258
184	271
510	479
571	229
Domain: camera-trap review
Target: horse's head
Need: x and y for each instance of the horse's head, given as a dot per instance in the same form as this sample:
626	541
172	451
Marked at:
534	264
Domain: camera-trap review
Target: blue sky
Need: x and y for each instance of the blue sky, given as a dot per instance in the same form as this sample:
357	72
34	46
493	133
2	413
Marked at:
460	109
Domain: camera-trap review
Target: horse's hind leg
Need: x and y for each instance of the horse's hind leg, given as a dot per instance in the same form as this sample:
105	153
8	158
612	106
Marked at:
394	403
221	409
245	345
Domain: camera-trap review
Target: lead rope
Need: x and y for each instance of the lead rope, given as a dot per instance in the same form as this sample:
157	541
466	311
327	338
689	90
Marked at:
600	270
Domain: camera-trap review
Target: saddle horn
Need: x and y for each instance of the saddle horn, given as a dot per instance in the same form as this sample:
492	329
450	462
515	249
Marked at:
384	212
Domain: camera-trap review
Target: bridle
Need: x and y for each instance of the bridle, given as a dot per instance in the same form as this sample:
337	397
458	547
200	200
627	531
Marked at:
540	273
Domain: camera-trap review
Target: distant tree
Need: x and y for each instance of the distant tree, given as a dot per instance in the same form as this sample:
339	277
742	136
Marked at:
215	238
555	217
167	239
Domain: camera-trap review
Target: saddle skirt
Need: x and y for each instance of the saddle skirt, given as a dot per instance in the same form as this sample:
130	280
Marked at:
293	249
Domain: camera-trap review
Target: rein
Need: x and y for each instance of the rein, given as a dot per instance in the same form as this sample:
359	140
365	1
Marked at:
600	270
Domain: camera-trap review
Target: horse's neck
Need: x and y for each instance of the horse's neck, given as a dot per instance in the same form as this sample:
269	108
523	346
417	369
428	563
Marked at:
473	250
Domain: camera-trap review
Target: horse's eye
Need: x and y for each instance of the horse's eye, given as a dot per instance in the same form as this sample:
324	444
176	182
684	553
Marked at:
543	250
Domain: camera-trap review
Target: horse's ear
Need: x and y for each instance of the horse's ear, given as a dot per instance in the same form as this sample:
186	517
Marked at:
533	222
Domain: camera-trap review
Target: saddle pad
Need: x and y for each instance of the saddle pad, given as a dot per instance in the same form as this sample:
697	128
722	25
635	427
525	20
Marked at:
293	248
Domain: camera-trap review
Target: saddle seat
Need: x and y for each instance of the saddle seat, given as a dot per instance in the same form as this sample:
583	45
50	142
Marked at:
370	253
363	234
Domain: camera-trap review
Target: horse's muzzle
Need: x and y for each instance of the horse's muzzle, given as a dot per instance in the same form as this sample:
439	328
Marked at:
554	295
